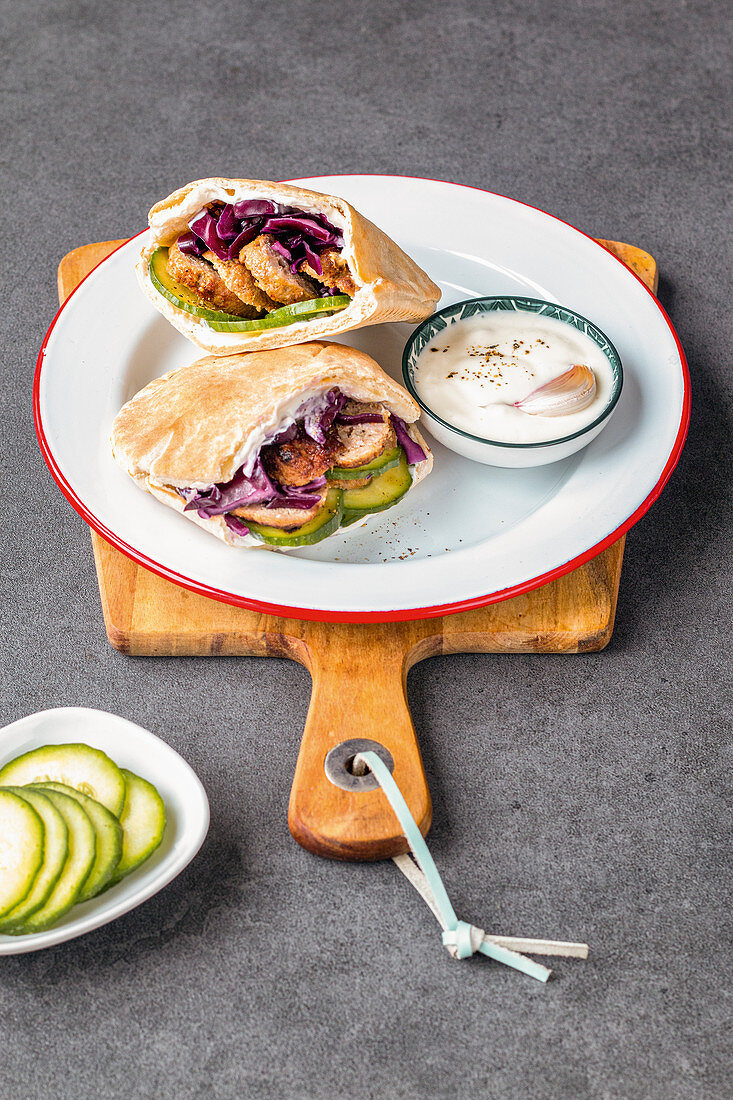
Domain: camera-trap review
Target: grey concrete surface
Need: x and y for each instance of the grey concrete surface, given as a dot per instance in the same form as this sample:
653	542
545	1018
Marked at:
578	797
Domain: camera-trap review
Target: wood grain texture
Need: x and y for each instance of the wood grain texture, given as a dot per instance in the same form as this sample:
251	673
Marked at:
358	670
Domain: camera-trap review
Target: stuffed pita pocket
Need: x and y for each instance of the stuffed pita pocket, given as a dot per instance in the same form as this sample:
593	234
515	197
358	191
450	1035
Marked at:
277	448
246	265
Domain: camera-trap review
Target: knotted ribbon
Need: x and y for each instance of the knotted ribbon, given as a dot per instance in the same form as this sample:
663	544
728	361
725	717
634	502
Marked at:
461	939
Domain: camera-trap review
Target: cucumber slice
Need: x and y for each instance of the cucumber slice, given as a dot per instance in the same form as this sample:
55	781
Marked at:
352	518
80	766
181	296
82	850
143	824
325	523
386	461
286	315
56	849
22	843
109	839
381	493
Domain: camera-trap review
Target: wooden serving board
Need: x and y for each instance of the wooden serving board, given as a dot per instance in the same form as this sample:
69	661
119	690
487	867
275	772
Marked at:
358	670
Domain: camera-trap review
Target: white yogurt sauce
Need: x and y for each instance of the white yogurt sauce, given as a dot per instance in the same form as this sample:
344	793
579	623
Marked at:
473	371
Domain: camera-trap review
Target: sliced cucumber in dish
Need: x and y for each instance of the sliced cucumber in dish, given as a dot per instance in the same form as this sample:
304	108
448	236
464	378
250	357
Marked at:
22	845
381	492
58	844
109	839
79	861
143	824
325	523
79	766
55	852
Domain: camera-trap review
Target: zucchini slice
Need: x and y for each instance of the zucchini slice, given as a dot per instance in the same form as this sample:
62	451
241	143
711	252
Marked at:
82	850
22	843
109	839
386	461
143	824
56	849
80	766
325	523
381	492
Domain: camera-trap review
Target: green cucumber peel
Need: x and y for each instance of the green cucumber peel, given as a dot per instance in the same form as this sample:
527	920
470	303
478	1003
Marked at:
286	315
386	461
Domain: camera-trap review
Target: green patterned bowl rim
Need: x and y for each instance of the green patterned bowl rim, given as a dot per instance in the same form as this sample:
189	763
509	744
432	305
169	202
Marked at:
469	308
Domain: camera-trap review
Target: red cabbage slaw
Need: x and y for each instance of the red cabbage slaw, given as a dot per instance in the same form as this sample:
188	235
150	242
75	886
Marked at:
298	237
255	486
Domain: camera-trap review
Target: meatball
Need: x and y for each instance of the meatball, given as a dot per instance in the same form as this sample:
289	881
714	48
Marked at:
241	282
272	272
200	276
299	461
335	272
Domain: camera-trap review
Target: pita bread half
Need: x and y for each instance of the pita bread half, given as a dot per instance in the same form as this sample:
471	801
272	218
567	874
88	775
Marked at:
391	287
198	425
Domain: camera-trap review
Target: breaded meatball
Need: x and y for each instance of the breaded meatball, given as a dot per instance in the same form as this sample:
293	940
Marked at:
272	273
299	461
335	272
241	282
199	276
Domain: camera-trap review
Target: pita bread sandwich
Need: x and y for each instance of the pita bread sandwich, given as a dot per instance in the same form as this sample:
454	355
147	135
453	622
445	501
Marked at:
275	448
245	265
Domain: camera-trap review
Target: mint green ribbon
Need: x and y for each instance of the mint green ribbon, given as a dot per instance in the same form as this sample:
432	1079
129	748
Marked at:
461	939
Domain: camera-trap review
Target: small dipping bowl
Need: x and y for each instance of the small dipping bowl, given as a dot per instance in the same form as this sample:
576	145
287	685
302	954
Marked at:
495	452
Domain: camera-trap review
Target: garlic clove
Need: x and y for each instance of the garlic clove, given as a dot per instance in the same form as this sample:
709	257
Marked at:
568	393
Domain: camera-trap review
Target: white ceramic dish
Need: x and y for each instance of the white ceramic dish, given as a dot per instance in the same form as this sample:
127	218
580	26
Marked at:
512	456
432	554
132	747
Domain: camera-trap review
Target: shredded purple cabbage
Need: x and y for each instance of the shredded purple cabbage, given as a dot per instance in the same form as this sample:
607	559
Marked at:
228	225
204	226
299	496
290	223
256	487
253	208
237	525
318	414
281	250
312	258
190	243
298	237
413	450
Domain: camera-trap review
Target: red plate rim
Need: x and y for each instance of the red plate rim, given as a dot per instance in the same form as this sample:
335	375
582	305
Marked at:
403	614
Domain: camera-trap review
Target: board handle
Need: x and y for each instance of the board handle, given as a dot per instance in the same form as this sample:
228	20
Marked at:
358	692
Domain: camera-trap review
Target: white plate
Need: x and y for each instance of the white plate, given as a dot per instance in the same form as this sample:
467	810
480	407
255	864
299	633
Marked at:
132	747
469	534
